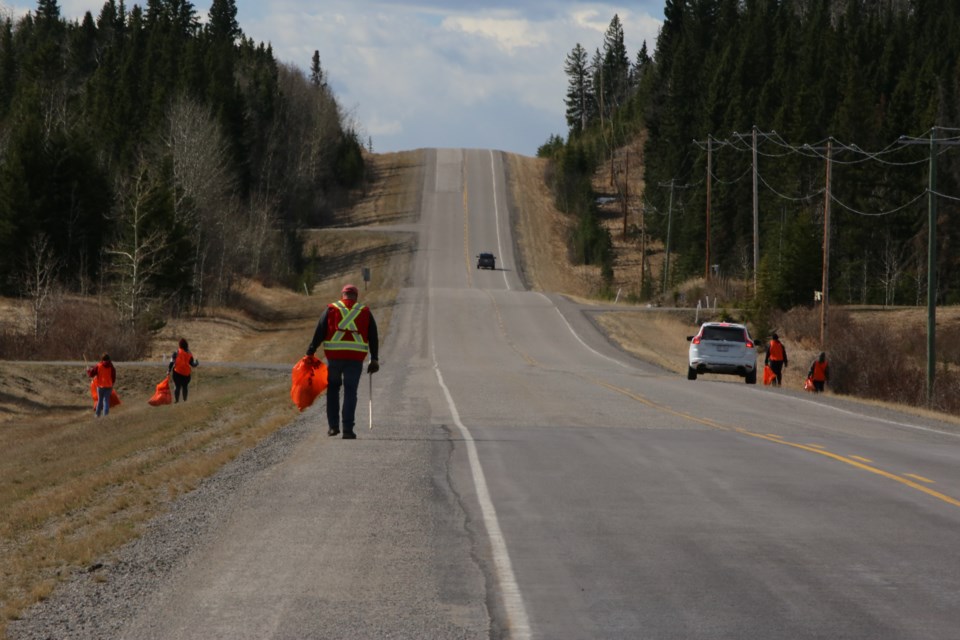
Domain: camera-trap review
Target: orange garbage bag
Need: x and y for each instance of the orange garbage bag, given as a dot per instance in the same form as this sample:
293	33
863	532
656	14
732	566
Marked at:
114	398
162	395
309	381
768	375
808	385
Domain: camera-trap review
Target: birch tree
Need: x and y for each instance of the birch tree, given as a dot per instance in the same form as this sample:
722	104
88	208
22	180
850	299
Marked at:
39	281
137	256
202	185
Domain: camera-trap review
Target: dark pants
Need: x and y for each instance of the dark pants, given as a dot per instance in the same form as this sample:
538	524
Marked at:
777	366
180	383
346	374
818	385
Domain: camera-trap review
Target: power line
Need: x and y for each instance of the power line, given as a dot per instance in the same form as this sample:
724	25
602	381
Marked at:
881	213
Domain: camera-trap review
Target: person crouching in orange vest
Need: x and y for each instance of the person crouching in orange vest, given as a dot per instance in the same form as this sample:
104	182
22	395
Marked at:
819	372
348	334
776	357
106	375
181	363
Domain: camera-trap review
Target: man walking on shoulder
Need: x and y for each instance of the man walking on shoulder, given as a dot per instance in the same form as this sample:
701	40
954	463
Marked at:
347	332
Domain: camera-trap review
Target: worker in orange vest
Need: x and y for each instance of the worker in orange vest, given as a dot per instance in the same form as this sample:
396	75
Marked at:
776	358
819	372
181	367
348	334
106	376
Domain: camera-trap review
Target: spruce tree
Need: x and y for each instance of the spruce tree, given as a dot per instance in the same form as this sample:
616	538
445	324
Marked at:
316	72
579	90
616	64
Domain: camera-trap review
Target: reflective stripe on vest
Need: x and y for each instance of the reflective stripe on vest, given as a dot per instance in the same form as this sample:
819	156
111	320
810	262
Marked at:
347	337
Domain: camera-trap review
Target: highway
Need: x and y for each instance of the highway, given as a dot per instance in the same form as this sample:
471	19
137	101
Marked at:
526	479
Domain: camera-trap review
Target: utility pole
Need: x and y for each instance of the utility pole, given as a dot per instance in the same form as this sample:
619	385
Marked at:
932	268
626	191
643	248
756	216
825	287
931	254
706	268
666	257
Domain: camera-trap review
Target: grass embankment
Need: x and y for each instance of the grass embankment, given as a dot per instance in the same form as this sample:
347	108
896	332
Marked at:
73	487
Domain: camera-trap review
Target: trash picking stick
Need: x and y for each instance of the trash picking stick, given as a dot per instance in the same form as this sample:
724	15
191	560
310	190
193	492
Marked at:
370	375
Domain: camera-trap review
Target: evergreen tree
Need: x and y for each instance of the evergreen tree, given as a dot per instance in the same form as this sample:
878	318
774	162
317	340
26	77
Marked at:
616	64
579	89
316	72
8	67
223	25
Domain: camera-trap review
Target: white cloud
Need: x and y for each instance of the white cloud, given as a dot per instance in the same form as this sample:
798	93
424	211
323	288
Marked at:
416	73
510	34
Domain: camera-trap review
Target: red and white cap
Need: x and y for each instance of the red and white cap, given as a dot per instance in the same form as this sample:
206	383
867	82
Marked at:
349	288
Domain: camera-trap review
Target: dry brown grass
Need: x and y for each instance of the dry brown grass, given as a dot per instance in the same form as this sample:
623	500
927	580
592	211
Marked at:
542	232
73	487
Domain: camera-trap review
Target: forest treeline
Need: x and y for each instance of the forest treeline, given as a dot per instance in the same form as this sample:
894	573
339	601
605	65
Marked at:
767	90
154	160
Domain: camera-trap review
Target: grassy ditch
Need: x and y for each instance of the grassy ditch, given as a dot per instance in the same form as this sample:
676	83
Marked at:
73	487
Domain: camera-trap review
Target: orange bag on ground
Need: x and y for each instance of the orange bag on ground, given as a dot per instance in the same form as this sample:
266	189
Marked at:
114	398
768	375
309	381
808	385
162	395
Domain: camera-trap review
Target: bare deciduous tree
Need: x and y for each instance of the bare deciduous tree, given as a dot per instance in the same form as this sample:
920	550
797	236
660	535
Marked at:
892	264
39	281
203	184
137	254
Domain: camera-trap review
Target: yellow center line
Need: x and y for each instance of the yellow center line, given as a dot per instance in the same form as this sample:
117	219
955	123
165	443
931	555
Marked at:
817	449
503	330
853	461
862	459
920	478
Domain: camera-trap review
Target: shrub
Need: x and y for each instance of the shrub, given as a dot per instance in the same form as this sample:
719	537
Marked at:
78	331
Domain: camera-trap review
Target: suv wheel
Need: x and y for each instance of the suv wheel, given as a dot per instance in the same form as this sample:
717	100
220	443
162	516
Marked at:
691	373
751	378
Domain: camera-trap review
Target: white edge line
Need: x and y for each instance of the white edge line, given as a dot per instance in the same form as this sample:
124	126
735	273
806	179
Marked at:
517	620
863	416
579	339
496	210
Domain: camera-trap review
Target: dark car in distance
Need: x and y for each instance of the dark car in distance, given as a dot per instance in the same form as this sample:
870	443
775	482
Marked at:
486	261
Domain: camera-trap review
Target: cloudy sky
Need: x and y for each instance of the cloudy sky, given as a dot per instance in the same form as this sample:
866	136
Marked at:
437	73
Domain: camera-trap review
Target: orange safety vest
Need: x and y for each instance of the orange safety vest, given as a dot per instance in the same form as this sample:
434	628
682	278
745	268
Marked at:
182	364
348	330
819	370
776	351
105	375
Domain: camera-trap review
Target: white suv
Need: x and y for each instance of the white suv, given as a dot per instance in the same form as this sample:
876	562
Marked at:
723	347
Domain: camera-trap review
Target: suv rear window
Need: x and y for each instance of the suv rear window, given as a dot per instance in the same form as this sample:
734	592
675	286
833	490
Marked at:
725	334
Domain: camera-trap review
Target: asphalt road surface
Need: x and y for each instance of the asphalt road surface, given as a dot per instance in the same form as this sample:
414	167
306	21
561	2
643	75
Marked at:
525	479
